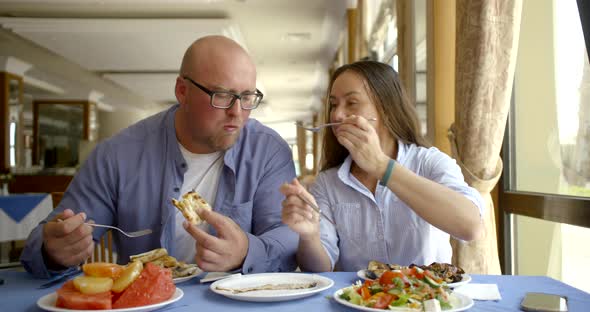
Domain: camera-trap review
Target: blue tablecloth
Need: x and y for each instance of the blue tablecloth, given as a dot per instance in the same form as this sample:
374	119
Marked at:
20	293
17	206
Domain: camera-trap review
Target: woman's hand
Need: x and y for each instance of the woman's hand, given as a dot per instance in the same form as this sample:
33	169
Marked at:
299	216
361	140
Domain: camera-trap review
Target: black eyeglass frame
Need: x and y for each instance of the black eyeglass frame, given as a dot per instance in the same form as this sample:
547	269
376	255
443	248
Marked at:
234	95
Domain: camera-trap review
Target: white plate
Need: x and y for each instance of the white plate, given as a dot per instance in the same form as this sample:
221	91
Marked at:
363	274
47	303
253	280
466	279
179	280
458	301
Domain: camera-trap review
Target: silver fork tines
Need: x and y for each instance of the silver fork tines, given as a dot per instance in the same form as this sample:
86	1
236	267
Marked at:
320	127
128	234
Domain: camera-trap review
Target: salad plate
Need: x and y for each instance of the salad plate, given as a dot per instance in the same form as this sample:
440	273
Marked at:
458	301
466	278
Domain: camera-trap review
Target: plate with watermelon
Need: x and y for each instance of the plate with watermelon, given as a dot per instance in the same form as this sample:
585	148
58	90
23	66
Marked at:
112	287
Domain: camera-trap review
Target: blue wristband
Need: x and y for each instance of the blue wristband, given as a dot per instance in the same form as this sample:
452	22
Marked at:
388	171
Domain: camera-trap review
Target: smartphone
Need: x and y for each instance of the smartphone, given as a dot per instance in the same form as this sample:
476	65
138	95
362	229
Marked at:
544	302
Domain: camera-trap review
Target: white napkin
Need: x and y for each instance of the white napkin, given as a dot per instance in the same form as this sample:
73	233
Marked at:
480	291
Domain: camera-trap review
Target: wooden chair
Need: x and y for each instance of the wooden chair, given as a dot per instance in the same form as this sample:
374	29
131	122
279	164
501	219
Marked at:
103	251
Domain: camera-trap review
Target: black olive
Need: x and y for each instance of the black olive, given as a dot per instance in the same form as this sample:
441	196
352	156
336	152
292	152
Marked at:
370	274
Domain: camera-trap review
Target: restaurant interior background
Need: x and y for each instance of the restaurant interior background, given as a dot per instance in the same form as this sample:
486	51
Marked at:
76	72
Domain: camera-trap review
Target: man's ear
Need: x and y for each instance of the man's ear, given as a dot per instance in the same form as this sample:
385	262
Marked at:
180	90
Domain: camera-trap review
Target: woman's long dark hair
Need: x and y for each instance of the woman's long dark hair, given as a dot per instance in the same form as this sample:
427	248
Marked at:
393	108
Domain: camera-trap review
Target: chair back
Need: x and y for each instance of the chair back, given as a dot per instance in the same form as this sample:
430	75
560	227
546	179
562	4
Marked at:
103	249
56	198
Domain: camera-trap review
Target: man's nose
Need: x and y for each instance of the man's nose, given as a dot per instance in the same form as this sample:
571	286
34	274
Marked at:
236	108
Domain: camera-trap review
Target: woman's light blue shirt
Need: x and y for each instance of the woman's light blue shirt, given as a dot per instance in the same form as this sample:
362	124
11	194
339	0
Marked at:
380	226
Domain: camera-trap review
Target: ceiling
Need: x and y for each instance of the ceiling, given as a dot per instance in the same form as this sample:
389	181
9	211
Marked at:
125	54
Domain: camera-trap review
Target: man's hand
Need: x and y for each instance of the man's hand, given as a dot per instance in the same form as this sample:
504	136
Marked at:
67	241
223	253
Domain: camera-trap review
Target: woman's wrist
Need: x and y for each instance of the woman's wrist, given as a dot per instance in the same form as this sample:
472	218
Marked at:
387	175
309	237
381	167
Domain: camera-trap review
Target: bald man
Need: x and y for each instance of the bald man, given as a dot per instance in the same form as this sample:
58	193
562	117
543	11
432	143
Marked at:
206	143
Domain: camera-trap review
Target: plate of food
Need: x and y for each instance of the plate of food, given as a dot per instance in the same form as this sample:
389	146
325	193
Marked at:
454	276
270	287
47	303
370	275
403	290
113	287
465	278
178	280
458	301
181	272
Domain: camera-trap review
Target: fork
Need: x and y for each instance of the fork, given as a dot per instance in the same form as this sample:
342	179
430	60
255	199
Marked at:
316	208
128	234
320	127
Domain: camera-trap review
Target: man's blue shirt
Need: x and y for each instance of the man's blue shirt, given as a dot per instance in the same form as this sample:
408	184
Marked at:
129	181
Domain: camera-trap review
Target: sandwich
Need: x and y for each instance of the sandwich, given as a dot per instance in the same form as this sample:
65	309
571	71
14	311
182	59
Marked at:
189	204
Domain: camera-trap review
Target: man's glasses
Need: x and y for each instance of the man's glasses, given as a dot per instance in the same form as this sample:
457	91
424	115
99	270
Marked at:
225	99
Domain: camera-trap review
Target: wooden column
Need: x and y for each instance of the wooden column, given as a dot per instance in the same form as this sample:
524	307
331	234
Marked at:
4	115
315	146
351	13
301	150
440	36
406	45
363	49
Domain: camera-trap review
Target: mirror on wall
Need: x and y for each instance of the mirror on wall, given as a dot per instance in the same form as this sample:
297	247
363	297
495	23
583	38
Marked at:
58	129
11	95
14	118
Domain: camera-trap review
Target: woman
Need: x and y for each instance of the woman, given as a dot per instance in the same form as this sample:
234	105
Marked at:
391	197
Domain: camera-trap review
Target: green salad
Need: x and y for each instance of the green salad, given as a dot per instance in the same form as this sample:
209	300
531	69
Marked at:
408	288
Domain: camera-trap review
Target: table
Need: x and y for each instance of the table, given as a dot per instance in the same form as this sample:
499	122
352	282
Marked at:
35	207
20	293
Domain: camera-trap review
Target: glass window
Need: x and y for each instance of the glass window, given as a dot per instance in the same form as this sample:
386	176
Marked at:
552	80
383	37
550	141
552	249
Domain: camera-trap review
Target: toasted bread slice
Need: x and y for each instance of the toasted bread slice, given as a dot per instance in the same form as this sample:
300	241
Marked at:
188	206
166	262
377	265
150	255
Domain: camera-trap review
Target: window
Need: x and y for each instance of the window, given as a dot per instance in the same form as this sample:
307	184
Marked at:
552	150
12	134
547	151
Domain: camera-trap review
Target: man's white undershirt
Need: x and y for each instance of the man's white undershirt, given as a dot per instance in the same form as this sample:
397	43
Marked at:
202	176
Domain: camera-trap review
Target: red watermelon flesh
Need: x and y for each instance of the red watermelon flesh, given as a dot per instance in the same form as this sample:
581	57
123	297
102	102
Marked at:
69	297
154	285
